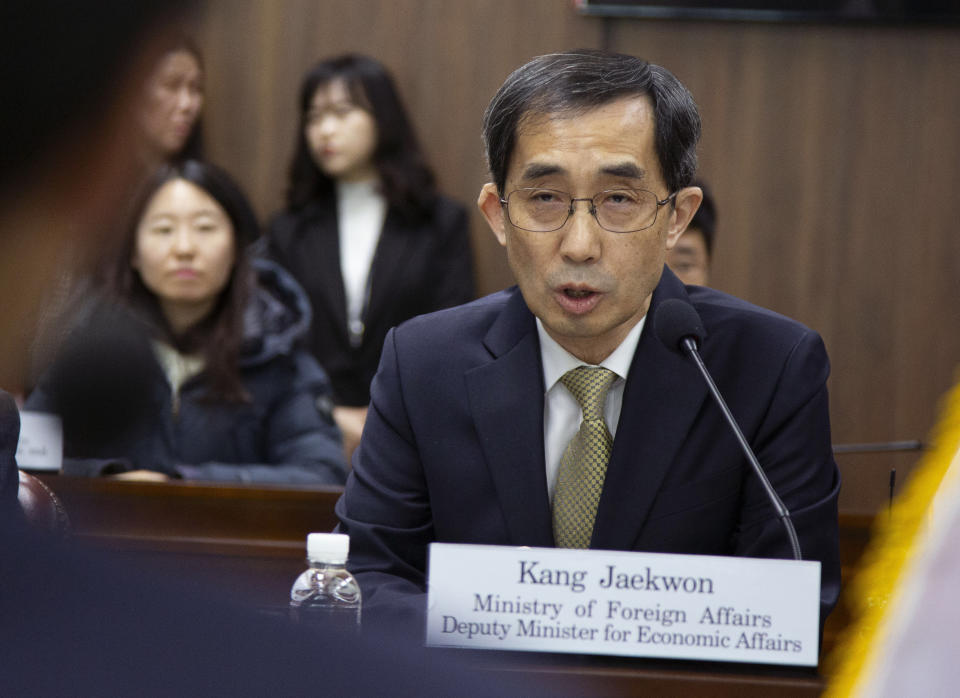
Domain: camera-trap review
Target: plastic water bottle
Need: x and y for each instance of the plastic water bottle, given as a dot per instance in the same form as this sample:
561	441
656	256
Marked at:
326	595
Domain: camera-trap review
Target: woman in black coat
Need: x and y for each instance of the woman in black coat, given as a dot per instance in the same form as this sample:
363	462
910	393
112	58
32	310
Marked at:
365	231
224	394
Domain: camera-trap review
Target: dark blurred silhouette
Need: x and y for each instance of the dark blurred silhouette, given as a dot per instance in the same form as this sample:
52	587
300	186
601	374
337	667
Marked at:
75	621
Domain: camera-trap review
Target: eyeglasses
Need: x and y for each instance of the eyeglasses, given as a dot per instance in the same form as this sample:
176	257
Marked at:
616	210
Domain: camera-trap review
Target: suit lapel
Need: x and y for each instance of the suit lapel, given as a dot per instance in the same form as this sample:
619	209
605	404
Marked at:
662	397
506	400
326	281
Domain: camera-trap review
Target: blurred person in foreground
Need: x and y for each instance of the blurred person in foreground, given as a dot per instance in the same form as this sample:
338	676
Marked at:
692	256
228	394
75	621
365	230
473	434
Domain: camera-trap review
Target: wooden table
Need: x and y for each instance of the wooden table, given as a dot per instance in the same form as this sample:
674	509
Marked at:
255	537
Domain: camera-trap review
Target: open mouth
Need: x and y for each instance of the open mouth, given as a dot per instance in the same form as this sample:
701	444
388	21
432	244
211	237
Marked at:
578	293
578	301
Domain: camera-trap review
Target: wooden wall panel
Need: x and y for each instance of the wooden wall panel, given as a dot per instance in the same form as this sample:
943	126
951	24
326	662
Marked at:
833	153
447	57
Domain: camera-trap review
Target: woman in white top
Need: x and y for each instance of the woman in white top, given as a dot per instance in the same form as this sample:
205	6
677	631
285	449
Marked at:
364	231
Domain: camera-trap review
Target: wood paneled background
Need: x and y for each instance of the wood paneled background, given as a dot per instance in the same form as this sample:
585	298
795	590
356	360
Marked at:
833	153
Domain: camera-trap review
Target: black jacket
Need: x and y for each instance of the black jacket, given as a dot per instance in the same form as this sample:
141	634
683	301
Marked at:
417	268
453	447
284	434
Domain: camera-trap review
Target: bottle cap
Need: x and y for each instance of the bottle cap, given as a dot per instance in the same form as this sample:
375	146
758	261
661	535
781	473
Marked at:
328	547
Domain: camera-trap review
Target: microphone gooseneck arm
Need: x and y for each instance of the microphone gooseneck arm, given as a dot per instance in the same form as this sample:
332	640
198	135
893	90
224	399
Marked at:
690	346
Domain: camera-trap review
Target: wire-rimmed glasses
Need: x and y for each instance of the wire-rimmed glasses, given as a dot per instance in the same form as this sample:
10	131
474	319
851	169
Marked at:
617	210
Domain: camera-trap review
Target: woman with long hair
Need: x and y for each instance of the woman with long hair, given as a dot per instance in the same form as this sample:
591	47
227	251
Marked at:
364	230
169	129
228	394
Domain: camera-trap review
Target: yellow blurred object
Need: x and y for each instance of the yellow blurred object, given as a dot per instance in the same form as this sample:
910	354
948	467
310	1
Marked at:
874	592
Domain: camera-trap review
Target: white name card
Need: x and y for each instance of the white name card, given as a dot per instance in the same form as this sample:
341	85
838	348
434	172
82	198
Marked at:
624	603
41	441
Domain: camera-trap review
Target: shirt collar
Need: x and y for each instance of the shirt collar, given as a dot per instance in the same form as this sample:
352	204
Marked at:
556	360
362	189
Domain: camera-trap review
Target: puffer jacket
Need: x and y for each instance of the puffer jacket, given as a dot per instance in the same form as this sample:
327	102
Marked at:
284	434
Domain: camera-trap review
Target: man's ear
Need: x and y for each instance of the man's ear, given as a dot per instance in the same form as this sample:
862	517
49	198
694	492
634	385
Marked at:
685	205
492	210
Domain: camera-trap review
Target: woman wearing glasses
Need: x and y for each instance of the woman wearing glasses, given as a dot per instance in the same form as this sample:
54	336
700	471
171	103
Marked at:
364	230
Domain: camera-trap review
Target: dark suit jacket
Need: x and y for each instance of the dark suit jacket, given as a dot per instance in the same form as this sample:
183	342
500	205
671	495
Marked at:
417	268
452	450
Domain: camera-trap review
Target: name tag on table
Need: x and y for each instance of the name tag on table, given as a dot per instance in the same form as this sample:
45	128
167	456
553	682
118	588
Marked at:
624	603
41	441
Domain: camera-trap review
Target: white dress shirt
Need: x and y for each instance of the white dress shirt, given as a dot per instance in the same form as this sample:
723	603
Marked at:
361	210
561	411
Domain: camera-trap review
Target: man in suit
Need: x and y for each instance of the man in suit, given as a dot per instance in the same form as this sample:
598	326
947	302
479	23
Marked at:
473	420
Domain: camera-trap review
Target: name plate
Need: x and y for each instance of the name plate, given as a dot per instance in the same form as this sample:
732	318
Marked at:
624	603
41	441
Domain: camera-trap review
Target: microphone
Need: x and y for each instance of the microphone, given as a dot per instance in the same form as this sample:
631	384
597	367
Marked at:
677	325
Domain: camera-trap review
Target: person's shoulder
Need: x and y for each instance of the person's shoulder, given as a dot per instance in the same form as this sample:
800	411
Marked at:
283	225
448	213
459	325
438	347
444	203
730	319
277	315
281	221
475	314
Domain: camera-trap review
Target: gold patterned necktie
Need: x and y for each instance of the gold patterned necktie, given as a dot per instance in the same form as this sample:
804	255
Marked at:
583	466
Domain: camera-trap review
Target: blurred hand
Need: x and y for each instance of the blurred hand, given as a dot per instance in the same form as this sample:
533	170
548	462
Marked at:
141	476
350	420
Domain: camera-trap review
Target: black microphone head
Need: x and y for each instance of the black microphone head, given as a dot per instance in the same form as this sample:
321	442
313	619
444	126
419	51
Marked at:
675	320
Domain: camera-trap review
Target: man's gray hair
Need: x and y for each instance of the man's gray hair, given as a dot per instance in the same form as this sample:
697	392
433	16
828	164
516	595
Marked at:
576	81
